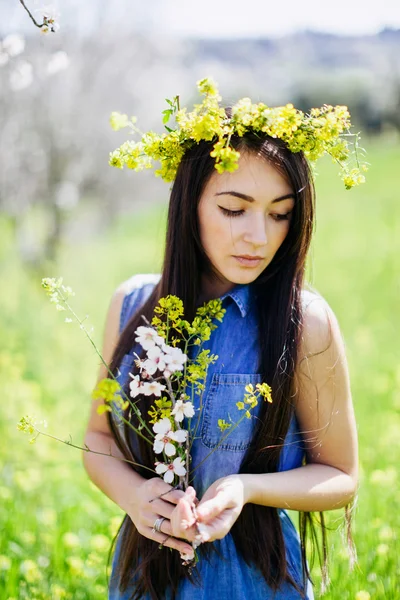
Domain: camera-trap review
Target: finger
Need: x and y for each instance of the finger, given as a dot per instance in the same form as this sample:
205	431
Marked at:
162	509
186	506
166	528
185	534
183	519
217	528
171	495
169	542
210	509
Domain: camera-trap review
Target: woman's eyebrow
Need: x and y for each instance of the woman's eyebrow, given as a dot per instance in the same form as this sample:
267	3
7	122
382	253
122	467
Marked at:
251	199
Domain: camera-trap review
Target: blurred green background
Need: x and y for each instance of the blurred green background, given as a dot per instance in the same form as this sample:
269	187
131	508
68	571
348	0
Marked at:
64	212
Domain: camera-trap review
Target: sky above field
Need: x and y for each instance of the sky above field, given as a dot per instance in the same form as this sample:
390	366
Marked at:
210	18
239	18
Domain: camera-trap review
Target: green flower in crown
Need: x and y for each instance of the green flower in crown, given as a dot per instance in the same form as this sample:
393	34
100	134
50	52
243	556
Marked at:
324	130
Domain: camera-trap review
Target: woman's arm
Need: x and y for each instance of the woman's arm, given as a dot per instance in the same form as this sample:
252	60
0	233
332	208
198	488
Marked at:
325	414
326	419
115	478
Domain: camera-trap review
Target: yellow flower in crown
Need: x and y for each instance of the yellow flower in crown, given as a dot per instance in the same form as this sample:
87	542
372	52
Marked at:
324	130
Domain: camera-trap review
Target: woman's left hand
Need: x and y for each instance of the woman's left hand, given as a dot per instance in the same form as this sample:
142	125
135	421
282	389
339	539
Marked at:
220	506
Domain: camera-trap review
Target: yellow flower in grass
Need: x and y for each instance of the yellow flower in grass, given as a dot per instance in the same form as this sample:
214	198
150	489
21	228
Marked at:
30	571
5	563
386	533
382	549
28	537
114	525
70	540
362	595
57	592
100	542
76	565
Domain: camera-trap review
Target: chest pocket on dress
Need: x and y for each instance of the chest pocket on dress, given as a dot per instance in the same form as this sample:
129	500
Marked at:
226	389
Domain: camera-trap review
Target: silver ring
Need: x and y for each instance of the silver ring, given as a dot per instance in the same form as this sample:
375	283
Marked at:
157	525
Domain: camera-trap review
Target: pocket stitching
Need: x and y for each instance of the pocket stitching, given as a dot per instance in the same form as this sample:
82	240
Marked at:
222	379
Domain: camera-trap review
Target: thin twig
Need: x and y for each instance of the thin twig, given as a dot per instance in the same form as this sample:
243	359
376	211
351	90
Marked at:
87	449
31	16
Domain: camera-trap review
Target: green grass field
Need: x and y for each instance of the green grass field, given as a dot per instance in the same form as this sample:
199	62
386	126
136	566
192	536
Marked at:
56	526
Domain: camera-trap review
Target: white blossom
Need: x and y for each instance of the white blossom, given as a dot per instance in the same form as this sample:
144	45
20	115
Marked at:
174	358
169	470
182	409
155	360
50	16
152	387
165	435
148	337
180	435
135	385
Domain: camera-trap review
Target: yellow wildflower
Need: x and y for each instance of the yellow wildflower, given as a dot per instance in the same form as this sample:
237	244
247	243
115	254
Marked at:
223	425
362	595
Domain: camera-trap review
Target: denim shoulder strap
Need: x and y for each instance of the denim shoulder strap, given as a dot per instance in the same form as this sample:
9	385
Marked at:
138	290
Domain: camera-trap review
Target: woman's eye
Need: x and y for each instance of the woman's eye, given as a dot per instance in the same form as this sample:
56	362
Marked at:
280	217
231	213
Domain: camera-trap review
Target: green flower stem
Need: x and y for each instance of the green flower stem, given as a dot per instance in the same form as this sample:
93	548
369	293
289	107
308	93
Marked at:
87	449
83	328
137	431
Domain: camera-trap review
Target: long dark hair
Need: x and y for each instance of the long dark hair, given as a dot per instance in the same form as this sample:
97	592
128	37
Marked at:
257	532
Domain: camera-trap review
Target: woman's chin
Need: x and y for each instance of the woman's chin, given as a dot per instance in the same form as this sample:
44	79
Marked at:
243	276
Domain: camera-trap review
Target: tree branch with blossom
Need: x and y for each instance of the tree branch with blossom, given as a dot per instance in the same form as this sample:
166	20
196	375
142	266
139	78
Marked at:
49	22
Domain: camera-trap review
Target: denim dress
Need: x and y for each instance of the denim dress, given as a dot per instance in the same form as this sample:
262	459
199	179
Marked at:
235	341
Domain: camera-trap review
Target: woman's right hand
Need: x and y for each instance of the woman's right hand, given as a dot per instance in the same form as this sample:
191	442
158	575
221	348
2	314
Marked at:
147	507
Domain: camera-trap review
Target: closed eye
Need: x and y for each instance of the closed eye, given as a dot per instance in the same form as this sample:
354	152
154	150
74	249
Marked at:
231	213
237	213
281	217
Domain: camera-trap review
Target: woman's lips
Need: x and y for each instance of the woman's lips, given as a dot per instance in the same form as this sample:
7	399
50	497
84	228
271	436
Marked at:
248	262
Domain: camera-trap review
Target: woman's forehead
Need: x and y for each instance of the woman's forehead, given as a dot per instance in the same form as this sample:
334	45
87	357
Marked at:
255	177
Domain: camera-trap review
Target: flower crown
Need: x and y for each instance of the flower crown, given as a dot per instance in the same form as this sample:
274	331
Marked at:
324	130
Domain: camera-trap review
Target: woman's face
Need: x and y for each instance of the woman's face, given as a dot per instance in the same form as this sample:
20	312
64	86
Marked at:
244	217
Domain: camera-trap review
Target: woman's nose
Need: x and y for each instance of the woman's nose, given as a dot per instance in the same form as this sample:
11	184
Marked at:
256	232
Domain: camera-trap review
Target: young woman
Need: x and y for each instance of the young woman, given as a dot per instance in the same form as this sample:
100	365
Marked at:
241	236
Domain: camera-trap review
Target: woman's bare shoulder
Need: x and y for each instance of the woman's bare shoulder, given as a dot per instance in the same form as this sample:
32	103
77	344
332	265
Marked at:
320	325
137	281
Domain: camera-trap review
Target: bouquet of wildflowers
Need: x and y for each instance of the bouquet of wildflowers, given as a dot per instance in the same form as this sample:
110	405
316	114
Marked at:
166	373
